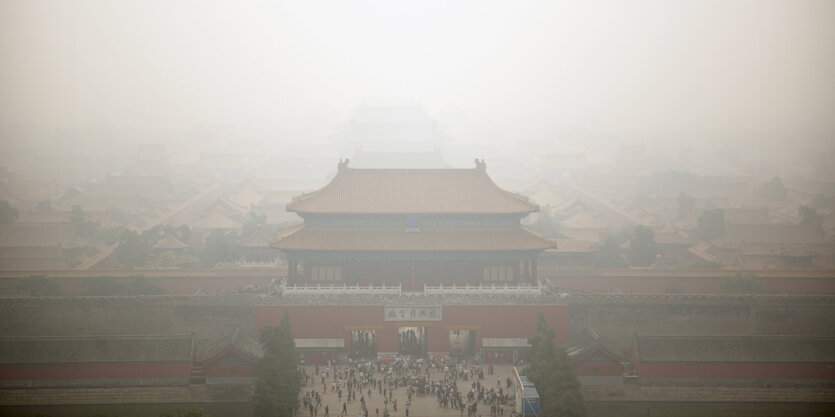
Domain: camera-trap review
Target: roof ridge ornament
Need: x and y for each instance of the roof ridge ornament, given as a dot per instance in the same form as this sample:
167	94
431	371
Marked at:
479	164
343	164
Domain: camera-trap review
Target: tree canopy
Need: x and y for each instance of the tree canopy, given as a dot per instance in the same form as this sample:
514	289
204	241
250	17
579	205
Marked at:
8	214
642	248
774	190
809	215
278	381
132	251
552	374
711	224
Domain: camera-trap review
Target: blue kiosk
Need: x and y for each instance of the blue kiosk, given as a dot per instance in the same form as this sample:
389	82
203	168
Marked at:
527	399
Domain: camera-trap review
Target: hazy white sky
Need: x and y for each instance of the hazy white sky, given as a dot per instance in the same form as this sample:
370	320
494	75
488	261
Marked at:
620	66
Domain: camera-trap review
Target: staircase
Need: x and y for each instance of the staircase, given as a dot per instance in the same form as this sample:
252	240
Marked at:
198	374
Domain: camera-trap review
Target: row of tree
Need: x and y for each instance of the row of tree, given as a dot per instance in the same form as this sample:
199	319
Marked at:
552	374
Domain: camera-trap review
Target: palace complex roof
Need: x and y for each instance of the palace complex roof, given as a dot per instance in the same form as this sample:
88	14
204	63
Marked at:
96	349
412	191
735	348
305	237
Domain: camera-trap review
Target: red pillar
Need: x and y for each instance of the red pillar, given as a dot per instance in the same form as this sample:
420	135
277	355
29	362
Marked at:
535	273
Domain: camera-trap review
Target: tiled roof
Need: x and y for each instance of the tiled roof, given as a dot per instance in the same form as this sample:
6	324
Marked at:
306	237
95	349
583	344
215	220
247	346
736	348
377	191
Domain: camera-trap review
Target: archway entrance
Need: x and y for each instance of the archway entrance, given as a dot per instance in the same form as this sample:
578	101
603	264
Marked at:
364	344
461	343
412	341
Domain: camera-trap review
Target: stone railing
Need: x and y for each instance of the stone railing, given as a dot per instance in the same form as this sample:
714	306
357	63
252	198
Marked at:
501	289
340	289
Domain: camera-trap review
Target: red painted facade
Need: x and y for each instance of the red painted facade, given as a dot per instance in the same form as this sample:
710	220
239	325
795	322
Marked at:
500	321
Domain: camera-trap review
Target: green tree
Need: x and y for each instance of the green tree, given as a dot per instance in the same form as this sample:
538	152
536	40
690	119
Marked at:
809	215
40	286
278	380
740	283
547	224
711	224
551	372
609	255
118	215
141	285
642	249
132	251
8	214
84	228
774	190
220	247
685	204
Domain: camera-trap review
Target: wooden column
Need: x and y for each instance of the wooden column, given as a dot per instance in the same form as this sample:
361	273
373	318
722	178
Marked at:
535	271
291	271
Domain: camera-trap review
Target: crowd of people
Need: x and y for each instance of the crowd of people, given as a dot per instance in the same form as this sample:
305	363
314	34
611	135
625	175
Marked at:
453	385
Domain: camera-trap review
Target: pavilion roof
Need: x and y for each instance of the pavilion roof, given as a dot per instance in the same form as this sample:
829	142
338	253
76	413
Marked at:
412	191
213	349
585	343
258	239
306	237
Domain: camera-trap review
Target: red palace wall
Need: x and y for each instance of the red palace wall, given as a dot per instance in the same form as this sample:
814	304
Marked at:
598	368
96	371
226	371
736	370
507	321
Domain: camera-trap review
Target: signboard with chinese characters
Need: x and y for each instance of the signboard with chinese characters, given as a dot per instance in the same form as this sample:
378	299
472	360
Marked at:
413	313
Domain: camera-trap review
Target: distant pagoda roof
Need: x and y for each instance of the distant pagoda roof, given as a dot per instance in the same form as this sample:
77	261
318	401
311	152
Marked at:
331	238
412	191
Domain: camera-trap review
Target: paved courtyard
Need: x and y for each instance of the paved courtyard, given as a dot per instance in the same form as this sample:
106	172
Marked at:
426	406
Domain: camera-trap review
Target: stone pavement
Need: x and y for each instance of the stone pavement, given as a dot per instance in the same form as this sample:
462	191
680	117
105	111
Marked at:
426	406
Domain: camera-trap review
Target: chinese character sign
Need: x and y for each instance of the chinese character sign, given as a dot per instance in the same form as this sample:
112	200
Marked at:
419	313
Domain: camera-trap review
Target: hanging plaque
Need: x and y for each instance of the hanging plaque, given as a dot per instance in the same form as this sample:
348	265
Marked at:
413	313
